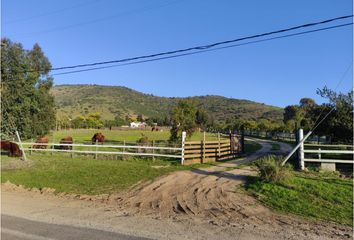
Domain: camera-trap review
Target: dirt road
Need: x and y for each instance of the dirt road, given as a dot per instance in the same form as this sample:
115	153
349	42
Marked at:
198	204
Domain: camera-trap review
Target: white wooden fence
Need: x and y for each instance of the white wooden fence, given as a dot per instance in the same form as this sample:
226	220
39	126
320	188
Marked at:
102	149
188	152
324	149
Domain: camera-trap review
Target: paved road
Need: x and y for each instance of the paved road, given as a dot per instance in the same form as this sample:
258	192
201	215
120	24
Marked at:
14	228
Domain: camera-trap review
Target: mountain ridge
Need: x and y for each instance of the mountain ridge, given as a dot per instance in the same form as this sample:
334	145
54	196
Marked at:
73	100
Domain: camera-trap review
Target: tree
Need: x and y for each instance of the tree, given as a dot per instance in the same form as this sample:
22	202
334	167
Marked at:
295	115
183	118
250	125
27	105
201	118
307	103
339	124
140	118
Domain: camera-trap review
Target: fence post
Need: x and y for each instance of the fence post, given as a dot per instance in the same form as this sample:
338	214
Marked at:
184	134
153	150
19	141
319	154
96	149
72	149
242	140
219	146
51	152
123	156
30	153
203	157
301	154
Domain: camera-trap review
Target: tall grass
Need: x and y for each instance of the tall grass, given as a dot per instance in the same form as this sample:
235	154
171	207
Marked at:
270	169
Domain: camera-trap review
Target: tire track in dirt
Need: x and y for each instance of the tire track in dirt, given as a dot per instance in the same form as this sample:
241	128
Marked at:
216	196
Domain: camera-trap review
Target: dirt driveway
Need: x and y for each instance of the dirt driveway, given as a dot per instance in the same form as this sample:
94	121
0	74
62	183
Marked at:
198	204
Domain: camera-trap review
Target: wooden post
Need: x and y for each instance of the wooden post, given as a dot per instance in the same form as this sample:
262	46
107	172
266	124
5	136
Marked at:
184	134
242	140
153	150
203	157
51	152
21	147
123	156
301	154
96	149
219	147
72	153
31	147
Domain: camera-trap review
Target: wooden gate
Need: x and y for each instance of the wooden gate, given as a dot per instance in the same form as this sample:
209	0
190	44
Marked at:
212	151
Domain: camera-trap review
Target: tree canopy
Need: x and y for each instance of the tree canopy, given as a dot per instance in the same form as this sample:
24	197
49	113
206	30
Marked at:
27	105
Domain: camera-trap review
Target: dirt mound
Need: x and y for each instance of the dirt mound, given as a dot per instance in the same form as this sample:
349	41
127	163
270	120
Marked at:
198	193
217	198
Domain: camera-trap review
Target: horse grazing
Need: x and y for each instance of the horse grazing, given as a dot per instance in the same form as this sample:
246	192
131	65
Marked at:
98	137
66	140
38	145
13	149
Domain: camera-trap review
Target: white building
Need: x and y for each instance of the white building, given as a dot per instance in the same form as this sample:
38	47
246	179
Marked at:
137	124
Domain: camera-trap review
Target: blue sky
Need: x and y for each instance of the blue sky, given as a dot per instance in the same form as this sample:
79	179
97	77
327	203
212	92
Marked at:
278	72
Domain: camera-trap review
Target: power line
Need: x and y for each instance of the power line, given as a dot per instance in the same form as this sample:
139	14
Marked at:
197	48
202	51
51	12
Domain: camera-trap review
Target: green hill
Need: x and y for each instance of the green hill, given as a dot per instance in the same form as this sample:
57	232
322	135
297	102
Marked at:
76	100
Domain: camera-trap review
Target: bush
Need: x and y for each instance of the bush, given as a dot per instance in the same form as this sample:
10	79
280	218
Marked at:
271	170
143	141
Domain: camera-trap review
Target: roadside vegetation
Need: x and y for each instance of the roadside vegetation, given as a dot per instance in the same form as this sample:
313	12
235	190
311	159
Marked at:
318	195
252	147
275	147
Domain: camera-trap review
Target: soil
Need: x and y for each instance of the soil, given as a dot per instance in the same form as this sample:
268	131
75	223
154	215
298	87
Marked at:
213	201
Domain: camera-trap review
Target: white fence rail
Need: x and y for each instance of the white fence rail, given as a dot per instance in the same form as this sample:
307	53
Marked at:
326	163
98	149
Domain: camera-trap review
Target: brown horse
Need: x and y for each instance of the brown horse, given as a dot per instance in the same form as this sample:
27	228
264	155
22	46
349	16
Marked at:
38	144
98	137
13	149
66	140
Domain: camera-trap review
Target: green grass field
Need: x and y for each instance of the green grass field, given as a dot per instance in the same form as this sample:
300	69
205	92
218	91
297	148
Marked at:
85	175
85	135
312	195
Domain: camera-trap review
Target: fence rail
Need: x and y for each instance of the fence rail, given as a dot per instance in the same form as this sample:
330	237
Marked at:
188	152
98	149
104	146
332	156
212	151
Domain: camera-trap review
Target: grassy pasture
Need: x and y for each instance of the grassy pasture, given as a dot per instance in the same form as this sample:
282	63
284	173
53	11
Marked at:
85	175
129	135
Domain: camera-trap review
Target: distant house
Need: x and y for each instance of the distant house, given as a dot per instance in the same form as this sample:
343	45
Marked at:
137	124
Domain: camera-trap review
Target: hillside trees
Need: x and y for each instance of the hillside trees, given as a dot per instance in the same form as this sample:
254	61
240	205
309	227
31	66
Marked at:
187	117
338	124
93	120
27	105
183	118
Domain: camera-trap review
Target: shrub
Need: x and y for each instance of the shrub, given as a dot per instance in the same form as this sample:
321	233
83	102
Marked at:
144	140
270	169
